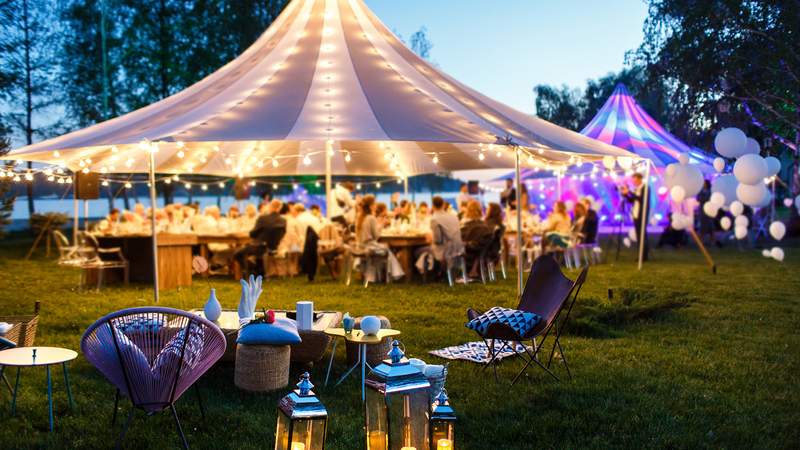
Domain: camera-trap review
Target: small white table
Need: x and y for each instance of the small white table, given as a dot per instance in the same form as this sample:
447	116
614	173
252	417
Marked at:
36	357
357	337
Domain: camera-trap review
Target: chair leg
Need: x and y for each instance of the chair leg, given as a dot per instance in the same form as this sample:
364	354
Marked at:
125	428
116	406
482	268
348	269
464	269
450	276
178	426
492	271
503	268
200	402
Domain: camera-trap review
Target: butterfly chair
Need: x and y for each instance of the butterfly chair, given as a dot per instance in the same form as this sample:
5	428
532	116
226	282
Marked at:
5	344
547	293
152	356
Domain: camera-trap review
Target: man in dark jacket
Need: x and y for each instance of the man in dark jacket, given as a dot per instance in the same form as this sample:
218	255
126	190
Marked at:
266	235
590	223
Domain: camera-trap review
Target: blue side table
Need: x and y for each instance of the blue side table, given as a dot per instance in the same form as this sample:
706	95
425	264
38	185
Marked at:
39	357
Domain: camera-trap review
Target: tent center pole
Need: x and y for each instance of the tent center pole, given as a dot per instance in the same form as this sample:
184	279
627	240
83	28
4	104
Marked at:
328	181
645	213
518	197
86	215
153	222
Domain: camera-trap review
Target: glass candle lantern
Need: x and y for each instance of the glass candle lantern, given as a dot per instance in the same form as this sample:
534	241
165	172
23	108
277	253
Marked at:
443	420
397	405
302	419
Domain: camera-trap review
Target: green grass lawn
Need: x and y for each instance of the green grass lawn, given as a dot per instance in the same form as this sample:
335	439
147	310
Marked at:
680	358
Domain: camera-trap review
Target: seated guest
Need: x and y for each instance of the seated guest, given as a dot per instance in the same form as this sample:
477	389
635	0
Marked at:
445	235
590	223
403	212
494	216
233	212
140	210
578	221
382	215
305	220
367	236
266	234
316	212
557	227
109	224
247	221
475	234
423	217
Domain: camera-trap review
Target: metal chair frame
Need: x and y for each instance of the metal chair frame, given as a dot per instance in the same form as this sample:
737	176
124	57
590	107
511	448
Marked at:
507	336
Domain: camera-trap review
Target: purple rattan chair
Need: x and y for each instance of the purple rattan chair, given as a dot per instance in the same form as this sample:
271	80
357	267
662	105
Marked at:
152	356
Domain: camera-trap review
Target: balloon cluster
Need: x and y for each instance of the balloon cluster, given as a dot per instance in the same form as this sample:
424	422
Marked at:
746	185
683	181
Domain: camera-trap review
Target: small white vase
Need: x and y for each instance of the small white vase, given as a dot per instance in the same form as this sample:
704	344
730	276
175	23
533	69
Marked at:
213	309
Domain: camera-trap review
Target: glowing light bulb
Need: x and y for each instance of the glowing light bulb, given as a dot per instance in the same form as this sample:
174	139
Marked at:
481	156
181	154
378	185
128	185
56	154
85	170
216	148
104	183
114	149
51	178
347	157
180	144
294	186
204	187
252	183
307	160
168	181
228	161
275	186
274	162
436	158
221	185
60	181
187	185
176	177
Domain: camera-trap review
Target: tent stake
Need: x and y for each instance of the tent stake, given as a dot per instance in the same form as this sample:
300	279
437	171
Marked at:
153	222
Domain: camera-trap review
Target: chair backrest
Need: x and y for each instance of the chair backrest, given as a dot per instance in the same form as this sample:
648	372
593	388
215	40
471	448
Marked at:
153	355
547	289
495	245
61	240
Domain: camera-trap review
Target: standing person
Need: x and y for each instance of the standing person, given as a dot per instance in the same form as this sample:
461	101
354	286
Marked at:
707	224
463	197
343	207
639	197
590	223
508	198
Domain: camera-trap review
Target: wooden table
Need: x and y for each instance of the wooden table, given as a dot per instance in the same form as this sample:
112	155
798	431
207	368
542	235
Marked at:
174	257
232	239
403	245
20	357
357	337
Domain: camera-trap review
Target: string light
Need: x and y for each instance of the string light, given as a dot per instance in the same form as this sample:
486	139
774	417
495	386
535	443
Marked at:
307	160
347	157
274	162
221	185
204	187
128	185
436	158
187	185
56	154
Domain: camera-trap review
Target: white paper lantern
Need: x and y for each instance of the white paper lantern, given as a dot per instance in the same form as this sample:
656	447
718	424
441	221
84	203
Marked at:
710	209
725	223
669	172
777	254
719	164
777	230
609	162
750	169
627	242
717	198
752	147
773	165
787	202
726	185
625	162
742	221
677	193
766	253
730	142
683	159
752	194
737	208
740	232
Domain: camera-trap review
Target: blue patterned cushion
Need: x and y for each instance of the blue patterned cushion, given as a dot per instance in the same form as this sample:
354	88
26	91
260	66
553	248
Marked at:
281	332
520	321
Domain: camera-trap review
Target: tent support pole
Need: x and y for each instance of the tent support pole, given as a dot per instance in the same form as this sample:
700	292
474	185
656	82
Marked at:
558	178
153	222
405	187
75	213
519	220
645	213
328	181
86	215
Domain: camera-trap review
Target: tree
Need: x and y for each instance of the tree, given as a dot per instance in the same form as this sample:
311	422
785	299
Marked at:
563	106
421	43
90	60
720	52
27	40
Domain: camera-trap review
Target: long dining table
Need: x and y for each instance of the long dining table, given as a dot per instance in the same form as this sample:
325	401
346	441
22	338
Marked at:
403	245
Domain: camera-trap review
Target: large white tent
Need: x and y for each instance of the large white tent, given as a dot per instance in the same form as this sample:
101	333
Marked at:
327	89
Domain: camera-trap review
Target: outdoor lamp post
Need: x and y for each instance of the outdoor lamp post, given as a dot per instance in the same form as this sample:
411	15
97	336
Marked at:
302	419
397	405
443	420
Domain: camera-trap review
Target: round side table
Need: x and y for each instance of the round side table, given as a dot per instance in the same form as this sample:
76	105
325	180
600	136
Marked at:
39	357
362	340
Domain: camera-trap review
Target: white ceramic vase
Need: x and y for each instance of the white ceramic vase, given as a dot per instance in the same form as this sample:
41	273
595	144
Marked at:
212	309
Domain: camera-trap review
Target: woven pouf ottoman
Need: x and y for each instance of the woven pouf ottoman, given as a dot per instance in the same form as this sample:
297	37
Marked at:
262	368
375	353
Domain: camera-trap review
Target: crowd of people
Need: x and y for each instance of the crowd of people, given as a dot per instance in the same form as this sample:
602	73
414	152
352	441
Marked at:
450	230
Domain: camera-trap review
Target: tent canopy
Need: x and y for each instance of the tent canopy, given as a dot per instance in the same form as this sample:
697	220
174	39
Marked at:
624	123
326	71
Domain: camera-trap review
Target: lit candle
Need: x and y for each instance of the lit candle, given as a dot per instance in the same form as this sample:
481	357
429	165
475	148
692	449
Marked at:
409	448
444	444
377	440
298	446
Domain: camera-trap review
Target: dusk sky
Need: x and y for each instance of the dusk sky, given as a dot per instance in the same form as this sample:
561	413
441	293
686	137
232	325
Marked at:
503	48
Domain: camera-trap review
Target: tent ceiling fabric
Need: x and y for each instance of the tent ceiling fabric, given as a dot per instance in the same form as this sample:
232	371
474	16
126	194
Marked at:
326	70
